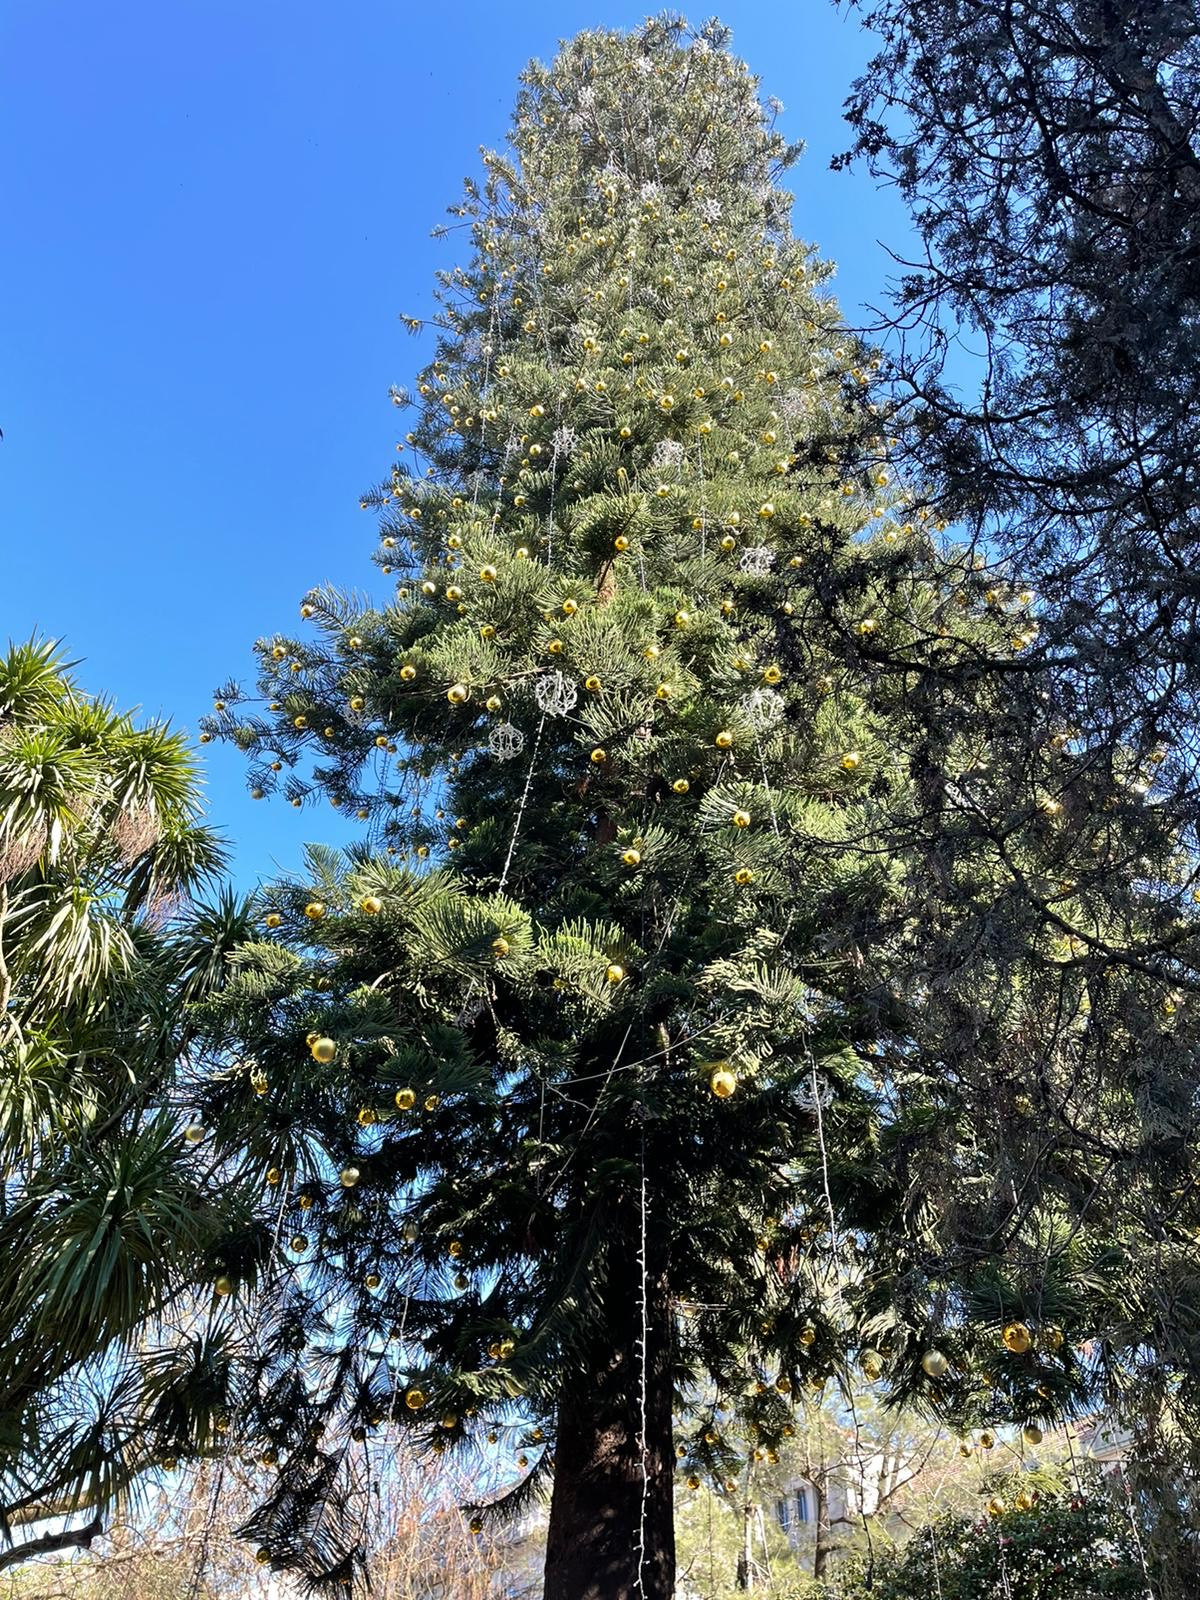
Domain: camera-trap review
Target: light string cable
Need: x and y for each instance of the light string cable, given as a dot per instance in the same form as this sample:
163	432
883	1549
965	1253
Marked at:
643	1341
1136	1531
218	1484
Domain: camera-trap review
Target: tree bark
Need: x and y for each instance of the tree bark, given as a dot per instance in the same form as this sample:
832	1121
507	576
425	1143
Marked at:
824	1545
612	1532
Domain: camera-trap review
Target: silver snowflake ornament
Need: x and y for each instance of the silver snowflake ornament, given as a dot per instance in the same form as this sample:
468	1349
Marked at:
816	1092
757	560
667	453
555	693
762	708
563	440
505	742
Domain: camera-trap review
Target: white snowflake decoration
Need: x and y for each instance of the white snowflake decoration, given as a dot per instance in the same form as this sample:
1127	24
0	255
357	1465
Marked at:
791	405
512	445
649	191
762	708
644	65
757	560
505	742
667	453
817	1091
563	440
710	209
555	694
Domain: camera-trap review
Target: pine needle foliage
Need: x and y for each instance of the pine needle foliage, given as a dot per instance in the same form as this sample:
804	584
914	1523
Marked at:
685	746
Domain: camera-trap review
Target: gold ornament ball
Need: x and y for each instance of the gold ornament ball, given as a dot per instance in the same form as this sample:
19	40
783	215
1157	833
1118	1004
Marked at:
743	876
631	857
461	1281
1032	1434
987	1440
299	1241
871	1363
348	1177
432	1102
1017	1338
741	819
722	1081
724	740
693	1482
324	1050
614	972
408	672
406	1099
592	684
598	757
414	1399
487	574
475	1525
223	1286
851	761
262	1556
501	946
681	786
274	1176
1052	1337
934	1364
314	911
371	905
272	919
772	674
372	1280
194	1132
457	694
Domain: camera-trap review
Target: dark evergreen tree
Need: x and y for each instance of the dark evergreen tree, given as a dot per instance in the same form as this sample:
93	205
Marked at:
723	991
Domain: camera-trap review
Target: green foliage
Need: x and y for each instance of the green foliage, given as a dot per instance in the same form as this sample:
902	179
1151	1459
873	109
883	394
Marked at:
786	794
1069	1547
105	1211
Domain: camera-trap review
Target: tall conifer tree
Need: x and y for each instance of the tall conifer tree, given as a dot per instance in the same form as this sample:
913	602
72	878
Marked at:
663	1036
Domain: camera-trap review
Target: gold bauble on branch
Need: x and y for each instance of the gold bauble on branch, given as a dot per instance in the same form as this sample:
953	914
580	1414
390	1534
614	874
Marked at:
722	1080
324	1050
1017	1338
298	1242
934	1364
223	1285
987	1440
314	910
348	1177
371	905
851	761
406	1099
724	740
741	819
681	786
631	858
194	1132
614	972
408	672
1032	1434
743	876
598	757
372	1280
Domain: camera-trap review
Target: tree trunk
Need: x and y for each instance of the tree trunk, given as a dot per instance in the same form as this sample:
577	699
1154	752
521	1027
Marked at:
612	1529
824	1545
745	1560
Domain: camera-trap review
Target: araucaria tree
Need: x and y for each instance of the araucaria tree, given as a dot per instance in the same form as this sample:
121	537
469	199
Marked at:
710	1003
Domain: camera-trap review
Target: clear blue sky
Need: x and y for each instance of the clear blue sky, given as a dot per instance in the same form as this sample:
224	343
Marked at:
212	215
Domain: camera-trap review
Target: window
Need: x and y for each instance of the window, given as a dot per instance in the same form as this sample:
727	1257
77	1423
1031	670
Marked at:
783	1513
801	1505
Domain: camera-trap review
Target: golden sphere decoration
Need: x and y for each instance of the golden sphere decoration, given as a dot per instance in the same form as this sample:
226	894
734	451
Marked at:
457	693
487	574
305	1202
324	1051
771	674
592	684
851	761
223	1286
414	1399
741	819
475	1525
406	1099
1017	1338
408	672
273	1176
934	1364
298	1242
455	1249
743	876
1032	1434
371	905
300	722
194	1132
631	857
681	786
722	1080
1051	1337
372	1280
871	1363
486	631
314	911
432	1102
501	946
987	1440
614	972
262	1556
570	607
598	757
348	1177
724	740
